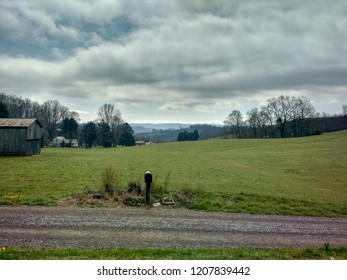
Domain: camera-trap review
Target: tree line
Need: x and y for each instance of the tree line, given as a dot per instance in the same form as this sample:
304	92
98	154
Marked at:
281	117
284	116
188	136
109	129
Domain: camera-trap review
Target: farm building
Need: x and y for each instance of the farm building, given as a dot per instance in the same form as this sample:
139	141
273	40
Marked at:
58	141
20	136
61	141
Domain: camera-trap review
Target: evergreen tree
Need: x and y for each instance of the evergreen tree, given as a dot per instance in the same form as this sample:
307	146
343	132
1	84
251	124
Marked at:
4	113
125	135
89	133
69	128
196	135
105	135
188	136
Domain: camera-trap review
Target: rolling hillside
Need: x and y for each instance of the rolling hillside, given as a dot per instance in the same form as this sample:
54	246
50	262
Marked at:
310	169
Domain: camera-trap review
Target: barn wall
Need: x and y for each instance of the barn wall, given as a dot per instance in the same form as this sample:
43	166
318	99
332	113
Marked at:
33	147
38	131
31	132
20	137
13	141
34	131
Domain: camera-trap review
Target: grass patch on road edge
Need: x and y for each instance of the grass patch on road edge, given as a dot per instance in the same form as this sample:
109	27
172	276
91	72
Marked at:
174	254
256	204
205	201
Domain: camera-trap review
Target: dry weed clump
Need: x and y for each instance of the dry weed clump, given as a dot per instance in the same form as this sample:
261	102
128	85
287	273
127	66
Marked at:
111	179
113	194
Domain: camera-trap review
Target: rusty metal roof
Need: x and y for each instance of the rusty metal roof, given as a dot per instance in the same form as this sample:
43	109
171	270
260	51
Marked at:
17	122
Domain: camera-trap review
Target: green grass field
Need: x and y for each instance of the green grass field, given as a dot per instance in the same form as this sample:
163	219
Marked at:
173	254
296	176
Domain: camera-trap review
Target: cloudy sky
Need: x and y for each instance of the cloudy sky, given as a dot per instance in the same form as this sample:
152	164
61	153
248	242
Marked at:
174	61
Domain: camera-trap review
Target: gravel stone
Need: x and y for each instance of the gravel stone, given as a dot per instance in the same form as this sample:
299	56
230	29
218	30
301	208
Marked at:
60	227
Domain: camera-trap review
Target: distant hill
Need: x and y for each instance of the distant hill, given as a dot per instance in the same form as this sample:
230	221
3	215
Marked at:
168	132
148	127
140	129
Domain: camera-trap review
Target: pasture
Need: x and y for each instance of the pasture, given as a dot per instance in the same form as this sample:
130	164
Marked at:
296	176
173	254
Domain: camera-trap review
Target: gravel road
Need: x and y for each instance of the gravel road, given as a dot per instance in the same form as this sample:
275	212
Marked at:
164	228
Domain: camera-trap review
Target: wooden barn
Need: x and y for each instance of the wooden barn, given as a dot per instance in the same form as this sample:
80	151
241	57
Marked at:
20	137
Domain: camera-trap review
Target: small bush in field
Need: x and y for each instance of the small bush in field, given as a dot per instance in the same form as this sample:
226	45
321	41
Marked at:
134	187
110	179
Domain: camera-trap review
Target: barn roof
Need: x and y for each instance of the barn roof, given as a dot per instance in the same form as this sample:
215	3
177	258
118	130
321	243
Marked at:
17	122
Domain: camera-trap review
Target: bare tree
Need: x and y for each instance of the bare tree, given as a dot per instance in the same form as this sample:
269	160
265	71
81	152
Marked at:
266	119
29	109
303	109
21	108
14	105
283	109
254	120
105	113
109	115
234	120
344	110
52	115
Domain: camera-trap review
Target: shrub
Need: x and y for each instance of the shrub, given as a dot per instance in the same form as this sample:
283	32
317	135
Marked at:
110	179
134	187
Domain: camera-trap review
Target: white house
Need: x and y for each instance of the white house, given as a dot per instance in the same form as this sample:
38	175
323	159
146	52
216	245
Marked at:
142	143
60	141
74	143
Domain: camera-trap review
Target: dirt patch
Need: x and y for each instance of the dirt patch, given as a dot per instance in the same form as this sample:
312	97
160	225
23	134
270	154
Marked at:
133	196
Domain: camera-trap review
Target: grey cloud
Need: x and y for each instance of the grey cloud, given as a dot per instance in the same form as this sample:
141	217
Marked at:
182	53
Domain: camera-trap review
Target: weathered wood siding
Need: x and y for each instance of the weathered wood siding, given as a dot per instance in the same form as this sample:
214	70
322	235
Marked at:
21	140
34	132
13	141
